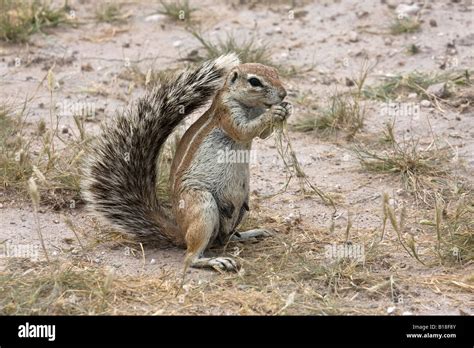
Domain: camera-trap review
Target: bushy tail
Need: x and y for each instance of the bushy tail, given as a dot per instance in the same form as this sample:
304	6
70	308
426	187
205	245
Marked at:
121	170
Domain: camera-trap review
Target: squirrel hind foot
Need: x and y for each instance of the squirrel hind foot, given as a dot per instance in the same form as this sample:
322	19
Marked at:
250	234
218	263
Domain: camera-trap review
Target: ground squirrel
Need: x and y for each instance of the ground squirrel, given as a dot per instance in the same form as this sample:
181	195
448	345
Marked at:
209	197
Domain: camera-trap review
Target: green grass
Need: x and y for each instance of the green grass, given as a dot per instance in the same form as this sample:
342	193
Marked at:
413	49
20	19
248	50
343	113
388	134
404	25
109	13
179	10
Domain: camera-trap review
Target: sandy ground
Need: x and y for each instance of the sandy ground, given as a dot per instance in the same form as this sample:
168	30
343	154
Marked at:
91	58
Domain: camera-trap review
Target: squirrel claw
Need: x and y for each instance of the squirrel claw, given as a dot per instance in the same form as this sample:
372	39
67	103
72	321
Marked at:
255	233
224	264
281	112
217	263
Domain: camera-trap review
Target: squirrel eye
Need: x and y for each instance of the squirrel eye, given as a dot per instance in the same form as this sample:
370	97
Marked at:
255	82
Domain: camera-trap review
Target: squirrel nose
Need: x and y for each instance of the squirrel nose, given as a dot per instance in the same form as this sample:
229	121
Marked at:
282	94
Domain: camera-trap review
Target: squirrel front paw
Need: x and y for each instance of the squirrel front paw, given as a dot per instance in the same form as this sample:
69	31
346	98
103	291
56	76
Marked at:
281	111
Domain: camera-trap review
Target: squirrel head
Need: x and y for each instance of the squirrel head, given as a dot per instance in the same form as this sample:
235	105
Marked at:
254	85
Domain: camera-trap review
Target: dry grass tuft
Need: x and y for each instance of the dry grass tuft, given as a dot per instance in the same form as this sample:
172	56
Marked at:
287	274
417	82
345	111
15	161
413	49
20	19
78	289
148	78
454	226
180	10
57	171
248	51
405	25
449	238
422	170
110	13
294	169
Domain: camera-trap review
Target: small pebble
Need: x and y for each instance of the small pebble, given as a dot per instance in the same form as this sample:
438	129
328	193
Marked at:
86	67
155	18
349	82
438	89
362	14
425	103
353	36
289	218
390	310
391	3
300	14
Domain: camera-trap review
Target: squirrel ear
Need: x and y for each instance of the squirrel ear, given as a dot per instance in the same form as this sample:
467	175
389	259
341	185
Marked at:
234	76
